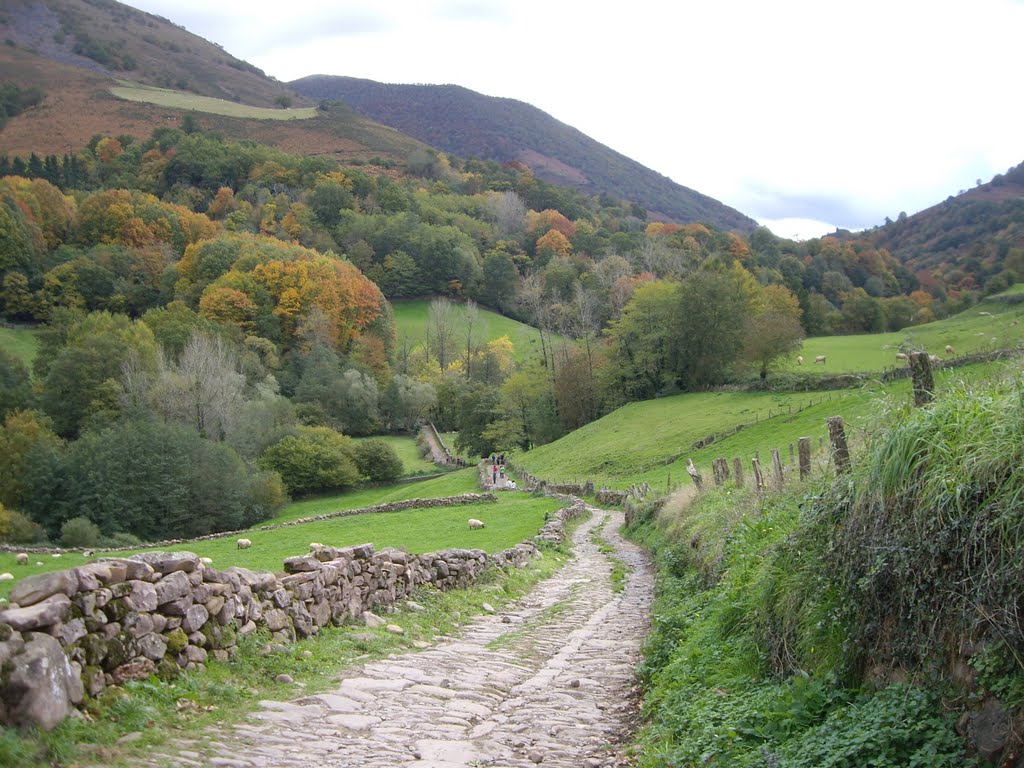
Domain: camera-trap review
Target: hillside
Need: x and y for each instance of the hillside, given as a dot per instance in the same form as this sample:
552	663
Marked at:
83	55
469	124
965	240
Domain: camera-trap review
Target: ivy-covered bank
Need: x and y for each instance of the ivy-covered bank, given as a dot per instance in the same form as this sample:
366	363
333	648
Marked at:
869	620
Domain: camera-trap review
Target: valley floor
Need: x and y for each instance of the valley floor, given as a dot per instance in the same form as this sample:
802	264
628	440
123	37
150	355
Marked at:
550	681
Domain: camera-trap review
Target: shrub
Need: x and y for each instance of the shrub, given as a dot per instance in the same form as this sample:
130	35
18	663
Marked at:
122	539
80	532
16	528
378	461
317	459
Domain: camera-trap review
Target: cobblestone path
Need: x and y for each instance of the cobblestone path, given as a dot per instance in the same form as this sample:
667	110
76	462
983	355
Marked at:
546	681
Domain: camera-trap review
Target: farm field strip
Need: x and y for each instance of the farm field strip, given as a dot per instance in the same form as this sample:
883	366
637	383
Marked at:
189	101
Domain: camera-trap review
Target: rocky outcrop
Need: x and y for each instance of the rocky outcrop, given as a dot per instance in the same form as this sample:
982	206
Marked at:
118	619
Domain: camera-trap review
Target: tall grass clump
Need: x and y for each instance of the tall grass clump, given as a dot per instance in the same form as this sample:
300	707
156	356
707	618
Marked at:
925	540
830	623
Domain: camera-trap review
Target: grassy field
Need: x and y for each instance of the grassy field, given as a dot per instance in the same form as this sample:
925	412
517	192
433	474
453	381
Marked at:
20	342
405	447
411	323
452	484
189	101
986	327
514	518
650	441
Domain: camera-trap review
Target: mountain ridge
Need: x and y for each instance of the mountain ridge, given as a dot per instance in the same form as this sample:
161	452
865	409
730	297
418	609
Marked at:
460	121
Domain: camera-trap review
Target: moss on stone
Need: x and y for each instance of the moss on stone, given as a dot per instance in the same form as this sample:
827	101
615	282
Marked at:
176	640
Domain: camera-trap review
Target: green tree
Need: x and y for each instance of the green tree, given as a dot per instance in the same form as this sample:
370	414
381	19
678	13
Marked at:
26	437
156	481
641	342
378	461
500	279
78	381
15	385
315	459
709	324
405	401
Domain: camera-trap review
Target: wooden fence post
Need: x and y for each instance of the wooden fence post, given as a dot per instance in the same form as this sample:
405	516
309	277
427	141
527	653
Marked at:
840	449
720	468
805	457
777	467
924	381
755	463
737	468
692	471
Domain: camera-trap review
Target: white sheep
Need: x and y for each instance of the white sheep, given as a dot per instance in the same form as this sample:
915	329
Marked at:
244	543
474	523
901	355
206	560
314	545
6	577
56	554
21	558
949	349
799	359
933	359
820	359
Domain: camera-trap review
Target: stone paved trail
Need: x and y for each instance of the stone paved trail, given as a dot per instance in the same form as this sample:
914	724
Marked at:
545	682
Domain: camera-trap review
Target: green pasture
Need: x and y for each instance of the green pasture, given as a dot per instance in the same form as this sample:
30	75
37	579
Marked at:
190	101
638	438
405	447
411	323
514	518
20	342
650	441
985	327
452	484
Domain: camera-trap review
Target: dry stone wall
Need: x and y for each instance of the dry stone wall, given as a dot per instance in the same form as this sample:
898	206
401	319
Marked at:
70	633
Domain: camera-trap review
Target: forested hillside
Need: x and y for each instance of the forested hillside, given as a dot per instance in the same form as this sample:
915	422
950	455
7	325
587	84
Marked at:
469	124
970	241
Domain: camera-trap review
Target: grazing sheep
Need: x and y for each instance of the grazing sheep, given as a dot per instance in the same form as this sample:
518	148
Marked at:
901	355
949	349
56	554
6	576
244	543
21	558
474	523
87	553
820	359
40	562
206	560
800	360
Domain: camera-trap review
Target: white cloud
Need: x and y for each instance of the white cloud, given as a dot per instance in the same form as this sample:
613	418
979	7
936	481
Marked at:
880	106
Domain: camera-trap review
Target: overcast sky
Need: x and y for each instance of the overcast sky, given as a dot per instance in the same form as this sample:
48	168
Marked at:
806	116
